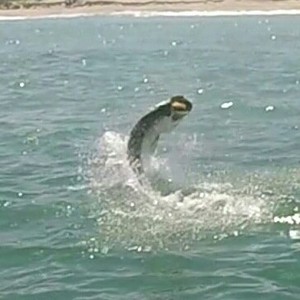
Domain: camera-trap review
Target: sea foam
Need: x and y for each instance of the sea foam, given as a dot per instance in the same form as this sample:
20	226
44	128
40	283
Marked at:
147	14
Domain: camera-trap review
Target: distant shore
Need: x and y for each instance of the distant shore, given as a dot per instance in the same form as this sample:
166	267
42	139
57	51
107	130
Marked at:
56	8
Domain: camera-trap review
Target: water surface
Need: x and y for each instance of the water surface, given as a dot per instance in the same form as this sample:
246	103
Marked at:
75	223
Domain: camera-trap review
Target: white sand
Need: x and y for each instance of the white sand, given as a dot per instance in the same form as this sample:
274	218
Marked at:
144	8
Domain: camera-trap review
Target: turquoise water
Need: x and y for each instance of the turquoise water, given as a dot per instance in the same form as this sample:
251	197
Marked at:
75	223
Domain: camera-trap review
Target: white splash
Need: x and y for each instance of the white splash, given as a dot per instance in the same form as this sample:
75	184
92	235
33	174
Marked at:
294	234
226	105
294	219
130	212
269	108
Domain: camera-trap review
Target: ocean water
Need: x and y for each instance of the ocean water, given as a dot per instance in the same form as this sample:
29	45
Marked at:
74	221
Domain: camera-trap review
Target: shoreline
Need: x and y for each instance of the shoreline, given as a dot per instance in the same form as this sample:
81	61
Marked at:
144	8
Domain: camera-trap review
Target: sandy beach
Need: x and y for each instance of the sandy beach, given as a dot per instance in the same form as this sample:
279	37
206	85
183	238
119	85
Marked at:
58	8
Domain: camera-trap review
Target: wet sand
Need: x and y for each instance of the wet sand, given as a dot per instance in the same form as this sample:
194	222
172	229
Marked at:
56	8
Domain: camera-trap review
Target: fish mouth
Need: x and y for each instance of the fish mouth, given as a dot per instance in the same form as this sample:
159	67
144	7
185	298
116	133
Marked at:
179	115
180	107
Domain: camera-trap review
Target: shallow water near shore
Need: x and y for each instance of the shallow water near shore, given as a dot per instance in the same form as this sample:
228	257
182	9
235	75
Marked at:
75	223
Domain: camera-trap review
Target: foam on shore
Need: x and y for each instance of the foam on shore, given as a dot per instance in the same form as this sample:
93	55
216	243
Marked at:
147	14
45	16
216	13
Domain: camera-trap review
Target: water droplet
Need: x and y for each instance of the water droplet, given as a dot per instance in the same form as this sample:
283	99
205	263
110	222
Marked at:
22	84
173	43
6	204
296	219
103	110
269	108
17	42
136	89
104	250
200	91
120	88
91	256
273	37
83	62
147	249
20	194
133	248
226	105
294	234
166	53
145	80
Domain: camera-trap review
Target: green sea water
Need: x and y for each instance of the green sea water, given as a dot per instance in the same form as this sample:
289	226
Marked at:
74	221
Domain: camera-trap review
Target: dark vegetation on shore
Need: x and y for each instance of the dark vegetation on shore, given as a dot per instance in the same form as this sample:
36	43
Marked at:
31	4
17	4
